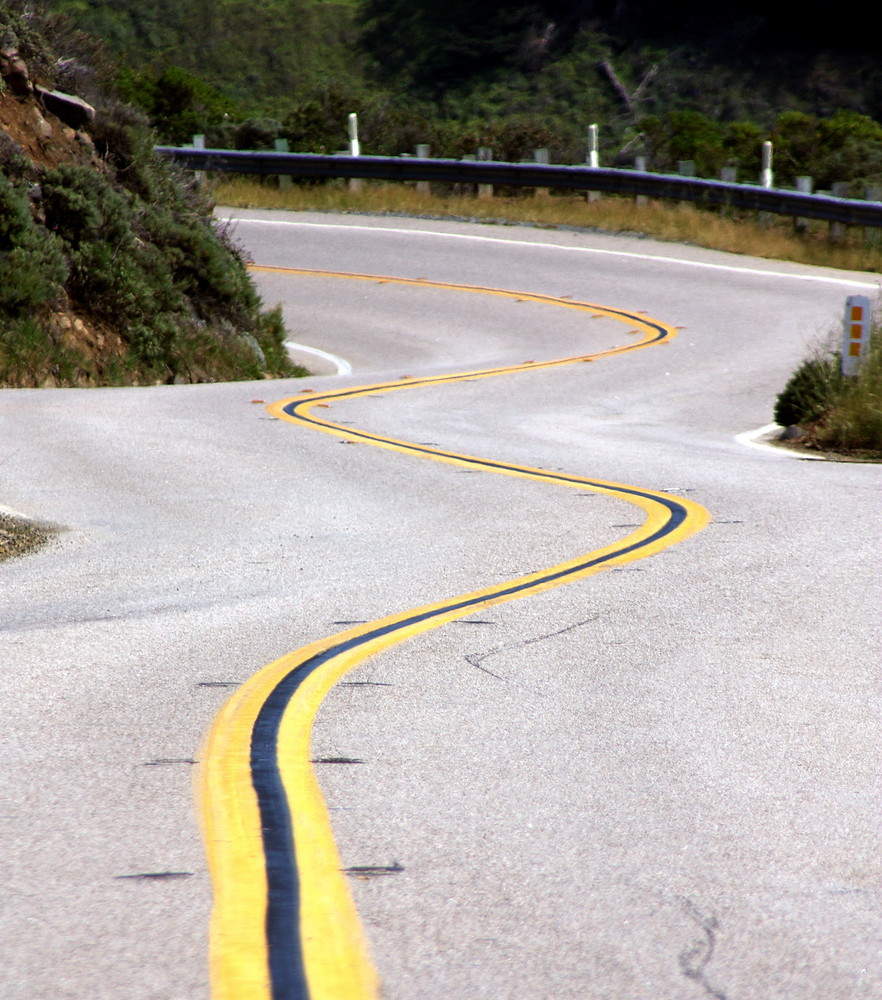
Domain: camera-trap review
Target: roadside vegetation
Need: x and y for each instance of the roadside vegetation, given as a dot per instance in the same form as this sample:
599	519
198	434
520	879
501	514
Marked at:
826	411
717	230
114	271
833	412
686	82
683	81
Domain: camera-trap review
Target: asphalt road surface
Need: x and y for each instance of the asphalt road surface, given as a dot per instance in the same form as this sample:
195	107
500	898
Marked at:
660	781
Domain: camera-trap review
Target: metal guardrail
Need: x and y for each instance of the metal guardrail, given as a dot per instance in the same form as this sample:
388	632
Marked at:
848	211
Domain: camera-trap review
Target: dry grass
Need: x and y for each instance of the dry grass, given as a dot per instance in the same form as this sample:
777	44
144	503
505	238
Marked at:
678	223
853	424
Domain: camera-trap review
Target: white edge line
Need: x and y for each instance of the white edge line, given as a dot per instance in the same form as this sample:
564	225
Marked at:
754	439
555	246
342	366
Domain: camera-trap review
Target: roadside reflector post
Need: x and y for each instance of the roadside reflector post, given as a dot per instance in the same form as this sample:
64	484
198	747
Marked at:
767	179
354	145
766	174
354	150
856	333
593	157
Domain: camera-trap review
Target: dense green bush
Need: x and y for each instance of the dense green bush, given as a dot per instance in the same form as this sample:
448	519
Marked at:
115	271
162	277
178	104
810	391
31	261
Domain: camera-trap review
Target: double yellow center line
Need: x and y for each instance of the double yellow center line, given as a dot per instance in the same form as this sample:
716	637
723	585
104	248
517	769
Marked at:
284	926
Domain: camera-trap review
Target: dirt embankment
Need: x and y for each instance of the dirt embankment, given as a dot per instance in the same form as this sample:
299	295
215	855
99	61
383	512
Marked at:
35	133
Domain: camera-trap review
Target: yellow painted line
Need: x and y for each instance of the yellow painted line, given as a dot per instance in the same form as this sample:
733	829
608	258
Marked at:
328	936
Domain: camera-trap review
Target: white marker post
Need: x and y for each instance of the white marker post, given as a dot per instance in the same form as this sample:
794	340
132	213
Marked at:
354	150
856	333
354	145
767	176
767	179
593	158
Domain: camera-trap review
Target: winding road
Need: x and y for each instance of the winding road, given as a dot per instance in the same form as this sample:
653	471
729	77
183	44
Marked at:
659	780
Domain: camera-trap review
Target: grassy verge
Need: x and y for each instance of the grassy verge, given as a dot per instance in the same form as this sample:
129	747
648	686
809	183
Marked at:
733	232
833	413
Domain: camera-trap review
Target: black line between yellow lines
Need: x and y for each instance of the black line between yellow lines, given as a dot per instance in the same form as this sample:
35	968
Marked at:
284	926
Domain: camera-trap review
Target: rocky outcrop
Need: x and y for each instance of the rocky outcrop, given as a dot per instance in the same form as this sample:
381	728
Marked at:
73	111
46	126
13	69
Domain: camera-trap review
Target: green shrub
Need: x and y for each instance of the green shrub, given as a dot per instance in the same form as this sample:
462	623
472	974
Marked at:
178	104
810	391
31	261
128	247
839	413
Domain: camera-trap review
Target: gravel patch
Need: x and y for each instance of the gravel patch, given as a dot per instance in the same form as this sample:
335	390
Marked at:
18	537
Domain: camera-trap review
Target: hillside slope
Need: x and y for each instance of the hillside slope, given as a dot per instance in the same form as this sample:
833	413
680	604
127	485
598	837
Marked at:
114	271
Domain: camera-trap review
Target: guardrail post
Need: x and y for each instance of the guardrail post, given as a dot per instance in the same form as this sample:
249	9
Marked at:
461	188
485	154
199	143
422	153
284	180
805	185
540	156
838	229
640	200
728	175
871	234
593	158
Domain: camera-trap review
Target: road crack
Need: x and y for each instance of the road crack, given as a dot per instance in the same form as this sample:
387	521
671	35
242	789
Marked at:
695	959
476	659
